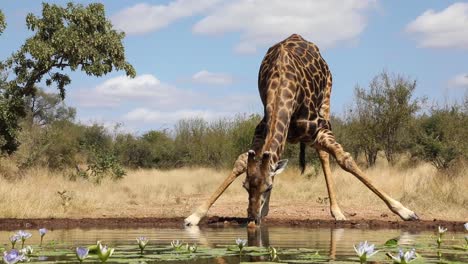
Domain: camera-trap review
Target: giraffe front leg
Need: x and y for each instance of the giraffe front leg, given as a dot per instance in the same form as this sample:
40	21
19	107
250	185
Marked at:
239	167
334	208
326	141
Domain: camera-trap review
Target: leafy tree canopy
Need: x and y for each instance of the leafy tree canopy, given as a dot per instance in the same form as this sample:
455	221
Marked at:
74	37
2	22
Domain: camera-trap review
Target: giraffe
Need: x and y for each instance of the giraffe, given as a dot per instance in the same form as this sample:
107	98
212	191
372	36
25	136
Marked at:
295	85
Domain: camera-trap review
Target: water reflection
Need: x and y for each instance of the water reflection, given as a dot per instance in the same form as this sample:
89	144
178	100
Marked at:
336	244
336	234
258	236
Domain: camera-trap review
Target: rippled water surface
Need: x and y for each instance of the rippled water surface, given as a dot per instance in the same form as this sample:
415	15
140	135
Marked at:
332	245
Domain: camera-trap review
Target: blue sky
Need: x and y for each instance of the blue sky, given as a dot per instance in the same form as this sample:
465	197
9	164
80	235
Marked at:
201	58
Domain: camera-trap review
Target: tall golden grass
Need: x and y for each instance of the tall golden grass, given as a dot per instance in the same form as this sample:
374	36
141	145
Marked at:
172	193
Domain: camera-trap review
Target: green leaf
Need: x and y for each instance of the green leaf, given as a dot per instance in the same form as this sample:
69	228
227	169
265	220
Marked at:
391	242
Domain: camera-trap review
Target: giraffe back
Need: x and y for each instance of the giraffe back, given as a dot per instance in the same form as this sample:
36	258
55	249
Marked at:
294	68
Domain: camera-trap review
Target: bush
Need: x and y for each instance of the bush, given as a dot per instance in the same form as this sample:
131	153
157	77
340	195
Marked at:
440	137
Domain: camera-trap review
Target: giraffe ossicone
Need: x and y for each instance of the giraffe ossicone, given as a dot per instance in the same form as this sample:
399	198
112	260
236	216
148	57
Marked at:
295	84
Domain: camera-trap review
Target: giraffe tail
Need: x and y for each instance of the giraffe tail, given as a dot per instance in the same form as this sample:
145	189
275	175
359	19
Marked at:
302	160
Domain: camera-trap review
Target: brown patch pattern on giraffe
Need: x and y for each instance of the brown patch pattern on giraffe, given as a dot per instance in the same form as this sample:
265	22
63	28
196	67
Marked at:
295	85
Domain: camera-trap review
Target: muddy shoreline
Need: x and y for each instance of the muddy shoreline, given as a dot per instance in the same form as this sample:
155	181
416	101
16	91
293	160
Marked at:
177	222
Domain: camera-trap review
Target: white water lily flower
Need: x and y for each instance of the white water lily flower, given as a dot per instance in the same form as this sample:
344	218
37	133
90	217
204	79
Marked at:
193	248
13	256
27	250
104	252
273	253
365	250
404	257
23	235
142	242
82	253
176	244
13	240
442	230
42	231
241	243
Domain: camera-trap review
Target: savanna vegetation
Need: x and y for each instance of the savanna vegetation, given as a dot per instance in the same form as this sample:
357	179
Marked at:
422	146
385	120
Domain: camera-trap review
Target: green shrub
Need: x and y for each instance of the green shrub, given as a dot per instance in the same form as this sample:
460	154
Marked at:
440	137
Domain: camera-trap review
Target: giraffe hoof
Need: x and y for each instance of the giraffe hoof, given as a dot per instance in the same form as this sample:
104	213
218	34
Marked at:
413	217
339	217
192	220
408	215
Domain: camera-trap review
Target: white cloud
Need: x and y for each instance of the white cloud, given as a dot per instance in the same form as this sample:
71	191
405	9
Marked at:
120	89
264	22
142	86
445	29
143	18
156	116
206	77
461	80
156	102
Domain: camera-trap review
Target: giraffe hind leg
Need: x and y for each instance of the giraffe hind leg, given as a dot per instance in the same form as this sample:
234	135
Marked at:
326	141
334	208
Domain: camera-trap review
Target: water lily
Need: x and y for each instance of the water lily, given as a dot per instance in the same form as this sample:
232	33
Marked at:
273	253
192	249
13	240
104	252
82	253
23	235
42	232
176	244
241	243
365	250
442	230
13	256
404	257
27	250
142	242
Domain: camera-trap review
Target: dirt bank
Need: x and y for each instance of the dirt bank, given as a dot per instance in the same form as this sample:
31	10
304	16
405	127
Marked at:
177	222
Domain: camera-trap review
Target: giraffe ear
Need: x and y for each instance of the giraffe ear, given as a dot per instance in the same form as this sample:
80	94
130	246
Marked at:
279	167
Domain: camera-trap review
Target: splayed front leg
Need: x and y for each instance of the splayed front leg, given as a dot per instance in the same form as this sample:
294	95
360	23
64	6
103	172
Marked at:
239	168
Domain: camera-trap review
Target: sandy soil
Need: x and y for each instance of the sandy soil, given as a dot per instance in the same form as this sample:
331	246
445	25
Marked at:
221	215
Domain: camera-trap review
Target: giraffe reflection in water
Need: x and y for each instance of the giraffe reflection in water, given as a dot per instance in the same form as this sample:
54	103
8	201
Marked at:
260	237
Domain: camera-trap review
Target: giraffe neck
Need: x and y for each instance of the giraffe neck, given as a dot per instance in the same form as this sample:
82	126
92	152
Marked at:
276	137
275	148
280	101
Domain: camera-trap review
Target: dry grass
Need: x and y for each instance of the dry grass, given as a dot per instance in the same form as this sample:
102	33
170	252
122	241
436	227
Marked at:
144	193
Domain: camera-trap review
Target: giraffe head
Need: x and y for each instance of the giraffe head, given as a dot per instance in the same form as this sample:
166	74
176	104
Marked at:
259	183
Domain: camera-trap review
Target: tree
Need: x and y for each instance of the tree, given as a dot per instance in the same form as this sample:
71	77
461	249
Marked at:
440	137
74	37
382	115
2	22
45	108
